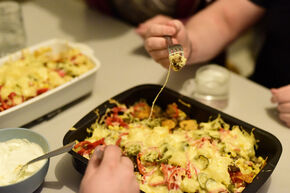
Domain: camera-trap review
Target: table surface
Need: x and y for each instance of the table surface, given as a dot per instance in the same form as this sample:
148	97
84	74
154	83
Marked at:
125	64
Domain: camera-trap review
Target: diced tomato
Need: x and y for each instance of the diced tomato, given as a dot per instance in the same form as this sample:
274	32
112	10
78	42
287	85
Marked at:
4	104
99	142
11	97
139	106
115	120
87	147
60	72
116	110
120	138
81	144
176	111
41	90
73	58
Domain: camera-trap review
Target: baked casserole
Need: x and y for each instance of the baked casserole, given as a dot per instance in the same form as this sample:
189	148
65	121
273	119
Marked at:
174	153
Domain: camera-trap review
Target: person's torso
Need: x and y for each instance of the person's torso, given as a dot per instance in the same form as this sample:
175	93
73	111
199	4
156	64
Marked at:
273	65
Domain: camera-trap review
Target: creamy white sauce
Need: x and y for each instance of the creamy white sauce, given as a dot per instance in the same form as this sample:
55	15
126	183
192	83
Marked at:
13	154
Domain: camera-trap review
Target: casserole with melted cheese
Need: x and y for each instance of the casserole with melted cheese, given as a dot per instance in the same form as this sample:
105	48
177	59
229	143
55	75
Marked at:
174	153
37	72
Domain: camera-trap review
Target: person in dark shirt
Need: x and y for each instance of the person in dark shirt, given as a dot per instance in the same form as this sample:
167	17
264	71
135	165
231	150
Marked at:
135	12
273	64
209	31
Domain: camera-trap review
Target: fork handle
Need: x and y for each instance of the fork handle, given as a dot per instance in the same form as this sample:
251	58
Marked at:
168	40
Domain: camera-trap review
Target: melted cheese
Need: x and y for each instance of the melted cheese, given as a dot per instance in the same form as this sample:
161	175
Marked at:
37	72
196	159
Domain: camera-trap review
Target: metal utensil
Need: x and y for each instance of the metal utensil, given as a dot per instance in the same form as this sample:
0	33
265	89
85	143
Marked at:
173	48
66	148
176	54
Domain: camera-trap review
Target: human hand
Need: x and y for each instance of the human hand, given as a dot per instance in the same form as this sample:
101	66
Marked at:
156	45
158	19
281	96
113	174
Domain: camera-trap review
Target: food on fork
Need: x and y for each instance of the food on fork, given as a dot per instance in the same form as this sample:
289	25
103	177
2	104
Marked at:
173	152
177	61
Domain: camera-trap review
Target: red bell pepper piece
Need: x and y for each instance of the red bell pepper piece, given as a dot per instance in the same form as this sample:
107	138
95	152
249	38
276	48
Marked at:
41	90
120	138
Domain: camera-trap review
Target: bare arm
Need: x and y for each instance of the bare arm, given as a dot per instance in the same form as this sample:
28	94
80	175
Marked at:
205	34
212	29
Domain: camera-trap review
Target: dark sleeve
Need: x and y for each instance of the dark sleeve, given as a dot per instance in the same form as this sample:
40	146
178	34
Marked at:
103	6
262	3
186	8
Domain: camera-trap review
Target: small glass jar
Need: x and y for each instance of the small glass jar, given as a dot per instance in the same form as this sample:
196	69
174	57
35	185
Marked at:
212	85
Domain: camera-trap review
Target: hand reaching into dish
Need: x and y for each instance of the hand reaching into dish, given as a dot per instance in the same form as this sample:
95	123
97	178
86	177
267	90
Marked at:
156	44
281	96
113	174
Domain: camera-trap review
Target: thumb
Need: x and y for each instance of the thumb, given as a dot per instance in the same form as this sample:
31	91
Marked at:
176	24
95	161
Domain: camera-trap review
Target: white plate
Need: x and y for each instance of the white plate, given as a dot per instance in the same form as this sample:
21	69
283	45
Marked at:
53	99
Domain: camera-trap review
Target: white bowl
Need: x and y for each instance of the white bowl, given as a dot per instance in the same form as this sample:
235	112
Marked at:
53	99
31	183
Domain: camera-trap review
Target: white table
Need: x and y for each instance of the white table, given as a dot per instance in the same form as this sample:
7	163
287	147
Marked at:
124	65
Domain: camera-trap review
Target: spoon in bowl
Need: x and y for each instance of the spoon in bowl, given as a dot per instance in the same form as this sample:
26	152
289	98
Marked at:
21	168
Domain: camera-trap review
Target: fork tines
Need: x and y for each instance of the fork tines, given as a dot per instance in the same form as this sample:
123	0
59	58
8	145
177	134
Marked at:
176	48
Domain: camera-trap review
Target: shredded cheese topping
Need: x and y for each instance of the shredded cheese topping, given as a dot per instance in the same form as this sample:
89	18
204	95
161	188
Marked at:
173	152
37	72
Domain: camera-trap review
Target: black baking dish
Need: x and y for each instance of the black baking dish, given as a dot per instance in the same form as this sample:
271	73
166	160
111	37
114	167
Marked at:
269	145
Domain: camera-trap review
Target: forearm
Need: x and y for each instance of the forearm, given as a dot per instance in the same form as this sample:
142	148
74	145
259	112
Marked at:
212	29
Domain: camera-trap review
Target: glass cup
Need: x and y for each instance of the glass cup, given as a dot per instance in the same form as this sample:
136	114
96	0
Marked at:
212	85
12	35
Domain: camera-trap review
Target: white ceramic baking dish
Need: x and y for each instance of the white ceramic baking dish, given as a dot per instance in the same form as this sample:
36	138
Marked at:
56	98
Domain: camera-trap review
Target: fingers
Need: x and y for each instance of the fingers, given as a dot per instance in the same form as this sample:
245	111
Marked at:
285	117
284	113
143	27
155	43
141	30
281	95
176	24
159	54
127	163
95	161
112	156
284	107
159	30
157	48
